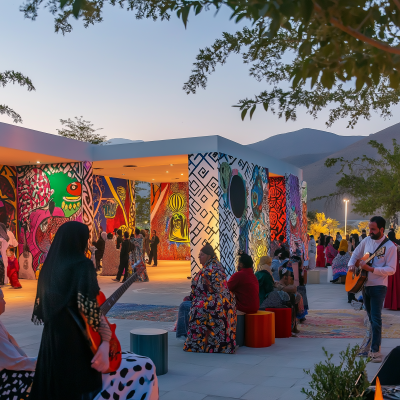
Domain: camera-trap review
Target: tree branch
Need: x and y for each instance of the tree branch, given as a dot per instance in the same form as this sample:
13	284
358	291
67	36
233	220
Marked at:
353	32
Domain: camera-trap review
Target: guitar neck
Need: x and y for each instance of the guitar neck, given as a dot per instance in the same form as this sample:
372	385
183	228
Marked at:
109	303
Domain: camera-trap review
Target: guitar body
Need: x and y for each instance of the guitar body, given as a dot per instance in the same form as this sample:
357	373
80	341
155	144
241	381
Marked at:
95	339
355	279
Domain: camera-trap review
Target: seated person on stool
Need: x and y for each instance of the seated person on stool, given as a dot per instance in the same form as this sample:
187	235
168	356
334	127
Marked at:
264	278
16	368
244	285
208	315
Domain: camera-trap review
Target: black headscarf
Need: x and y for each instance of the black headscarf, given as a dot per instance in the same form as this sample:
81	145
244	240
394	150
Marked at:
67	277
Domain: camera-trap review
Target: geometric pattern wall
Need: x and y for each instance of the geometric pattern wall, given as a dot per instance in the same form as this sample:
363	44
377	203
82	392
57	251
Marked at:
169	210
203	205
294	212
48	196
277	207
114	204
243	210
228	207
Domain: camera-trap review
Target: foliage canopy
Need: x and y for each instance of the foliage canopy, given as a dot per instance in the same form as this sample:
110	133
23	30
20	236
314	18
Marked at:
331	42
7	77
374	184
80	130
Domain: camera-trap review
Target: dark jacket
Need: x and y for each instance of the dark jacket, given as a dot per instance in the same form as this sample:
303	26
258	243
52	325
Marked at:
100	245
154	242
125	249
119	241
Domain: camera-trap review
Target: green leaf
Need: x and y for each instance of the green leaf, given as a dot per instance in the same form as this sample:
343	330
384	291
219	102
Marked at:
243	114
265	105
252	110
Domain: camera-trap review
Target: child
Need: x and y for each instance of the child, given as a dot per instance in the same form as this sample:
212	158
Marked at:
13	269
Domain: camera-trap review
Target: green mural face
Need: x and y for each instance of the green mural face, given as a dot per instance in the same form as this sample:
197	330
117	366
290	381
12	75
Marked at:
67	193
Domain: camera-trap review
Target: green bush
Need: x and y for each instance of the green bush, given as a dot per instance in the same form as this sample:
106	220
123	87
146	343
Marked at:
348	380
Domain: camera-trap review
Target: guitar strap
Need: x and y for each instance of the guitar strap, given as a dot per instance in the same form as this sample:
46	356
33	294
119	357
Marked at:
384	241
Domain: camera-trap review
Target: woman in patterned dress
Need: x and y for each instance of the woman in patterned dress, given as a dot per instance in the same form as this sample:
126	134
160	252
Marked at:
340	263
212	316
136	258
110	257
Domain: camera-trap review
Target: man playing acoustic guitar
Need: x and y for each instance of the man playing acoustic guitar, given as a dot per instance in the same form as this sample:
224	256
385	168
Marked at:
375	288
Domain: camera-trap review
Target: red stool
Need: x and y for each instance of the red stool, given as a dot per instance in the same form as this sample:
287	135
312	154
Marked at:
260	329
283	321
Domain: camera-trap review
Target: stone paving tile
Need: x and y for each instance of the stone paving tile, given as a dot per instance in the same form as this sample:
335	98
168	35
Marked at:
215	388
264	393
182	395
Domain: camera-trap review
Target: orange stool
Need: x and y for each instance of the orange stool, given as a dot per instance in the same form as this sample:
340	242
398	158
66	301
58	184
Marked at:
283	322
260	329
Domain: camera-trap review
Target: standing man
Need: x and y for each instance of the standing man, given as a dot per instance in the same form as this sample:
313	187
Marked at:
363	234
124	258
153	248
338	237
375	288
147	242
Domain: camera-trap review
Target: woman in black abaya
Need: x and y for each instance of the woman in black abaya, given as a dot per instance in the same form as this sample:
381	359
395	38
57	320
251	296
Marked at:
66	368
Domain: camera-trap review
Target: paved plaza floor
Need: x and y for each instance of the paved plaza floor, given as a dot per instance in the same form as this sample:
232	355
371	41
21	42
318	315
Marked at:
253	374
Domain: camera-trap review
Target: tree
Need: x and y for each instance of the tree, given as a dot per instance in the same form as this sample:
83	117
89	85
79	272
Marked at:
364	225
331	42
7	77
374	184
142	201
80	130
324	225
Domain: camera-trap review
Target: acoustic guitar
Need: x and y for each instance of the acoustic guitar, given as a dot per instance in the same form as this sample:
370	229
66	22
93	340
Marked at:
355	279
93	337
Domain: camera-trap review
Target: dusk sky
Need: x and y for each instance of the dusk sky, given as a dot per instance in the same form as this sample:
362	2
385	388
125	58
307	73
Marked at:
126	76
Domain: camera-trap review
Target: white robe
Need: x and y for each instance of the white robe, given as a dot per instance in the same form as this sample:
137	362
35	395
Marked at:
312	253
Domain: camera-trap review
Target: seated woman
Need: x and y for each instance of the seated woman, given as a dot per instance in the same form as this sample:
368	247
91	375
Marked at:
284	294
16	368
244	285
330	251
265	278
110	257
340	263
211	326
66	369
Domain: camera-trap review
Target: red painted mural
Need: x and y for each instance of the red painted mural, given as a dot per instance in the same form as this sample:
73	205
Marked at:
169	216
277	207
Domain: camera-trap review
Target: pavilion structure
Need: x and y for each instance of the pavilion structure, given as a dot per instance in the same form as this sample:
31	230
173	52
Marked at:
202	189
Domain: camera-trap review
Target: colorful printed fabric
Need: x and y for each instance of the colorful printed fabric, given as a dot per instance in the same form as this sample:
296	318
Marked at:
330	253
140	271
340	265
137	254
110	259
212	317
15	384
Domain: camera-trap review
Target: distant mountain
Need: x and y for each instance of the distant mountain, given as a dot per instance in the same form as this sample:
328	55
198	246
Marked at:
303	142
302	160
322	180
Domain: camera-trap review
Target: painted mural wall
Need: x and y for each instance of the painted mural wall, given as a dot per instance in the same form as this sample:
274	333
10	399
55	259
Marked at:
243	210
169	216
277	207
114	204
48	196
294	212
228	208
203	205
304	223
8	197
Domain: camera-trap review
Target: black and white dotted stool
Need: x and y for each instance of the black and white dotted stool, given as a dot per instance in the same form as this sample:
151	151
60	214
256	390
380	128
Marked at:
152	343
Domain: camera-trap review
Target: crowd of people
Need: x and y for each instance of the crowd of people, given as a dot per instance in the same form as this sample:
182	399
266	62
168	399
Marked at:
207	317
382	287
123	255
